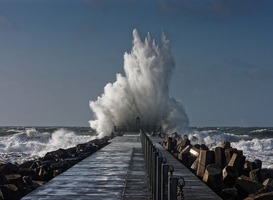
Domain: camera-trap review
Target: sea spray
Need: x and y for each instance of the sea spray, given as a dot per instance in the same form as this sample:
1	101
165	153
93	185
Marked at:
143	91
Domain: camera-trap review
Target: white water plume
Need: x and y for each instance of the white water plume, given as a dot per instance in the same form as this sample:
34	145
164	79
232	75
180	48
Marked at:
143	91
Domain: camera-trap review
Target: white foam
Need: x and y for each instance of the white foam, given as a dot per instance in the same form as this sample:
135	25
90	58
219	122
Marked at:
253	148
30	143
143	91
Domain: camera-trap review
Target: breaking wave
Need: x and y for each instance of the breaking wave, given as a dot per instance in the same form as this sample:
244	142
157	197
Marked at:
143	91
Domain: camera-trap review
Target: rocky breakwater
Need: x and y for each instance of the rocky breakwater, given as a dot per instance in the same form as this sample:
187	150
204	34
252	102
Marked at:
224	169
17	180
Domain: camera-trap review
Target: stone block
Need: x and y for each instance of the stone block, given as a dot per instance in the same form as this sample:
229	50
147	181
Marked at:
258	164
225	144
229	152
230	175
255	175
237	160
194	165
268	183
204	159
213	176
246	186
194	151
263	196
220	158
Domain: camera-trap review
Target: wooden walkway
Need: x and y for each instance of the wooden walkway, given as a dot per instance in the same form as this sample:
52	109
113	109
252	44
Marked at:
114	172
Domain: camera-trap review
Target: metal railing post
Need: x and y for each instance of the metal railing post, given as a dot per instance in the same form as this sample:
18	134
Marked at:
172	188
164	181
159	162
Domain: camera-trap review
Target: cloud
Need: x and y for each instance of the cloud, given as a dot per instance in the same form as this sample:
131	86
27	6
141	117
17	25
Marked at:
5	22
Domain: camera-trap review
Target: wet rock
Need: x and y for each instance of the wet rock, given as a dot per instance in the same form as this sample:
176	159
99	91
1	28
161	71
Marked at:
60	153
257	164
229	152
203	147
268	183
18	180
237	161
230	175
194	165
225	144
45	173
220	158
3	179
9	168
26	164
10	191
204	159
255	175
246	186
28	180
184	143
229	193
194	151
263	196
213	176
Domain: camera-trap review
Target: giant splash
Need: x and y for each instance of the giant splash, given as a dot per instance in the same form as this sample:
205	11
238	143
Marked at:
143	91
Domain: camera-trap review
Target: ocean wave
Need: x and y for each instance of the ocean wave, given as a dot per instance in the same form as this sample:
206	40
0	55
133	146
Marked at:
30	143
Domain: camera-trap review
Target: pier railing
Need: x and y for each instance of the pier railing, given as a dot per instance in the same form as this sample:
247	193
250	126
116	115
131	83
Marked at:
144	128
163	185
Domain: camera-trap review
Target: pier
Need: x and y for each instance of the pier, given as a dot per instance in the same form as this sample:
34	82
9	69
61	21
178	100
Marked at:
131	167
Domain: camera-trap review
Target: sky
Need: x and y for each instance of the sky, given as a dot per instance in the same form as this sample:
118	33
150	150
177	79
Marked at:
57	55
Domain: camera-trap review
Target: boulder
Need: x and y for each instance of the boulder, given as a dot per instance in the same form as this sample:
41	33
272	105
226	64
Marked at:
58	154
9	168
26	164
45	173
10	191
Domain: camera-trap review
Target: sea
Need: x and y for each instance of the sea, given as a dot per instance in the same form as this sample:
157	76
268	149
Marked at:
19	144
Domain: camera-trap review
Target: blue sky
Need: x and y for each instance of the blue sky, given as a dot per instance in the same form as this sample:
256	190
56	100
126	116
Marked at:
57	55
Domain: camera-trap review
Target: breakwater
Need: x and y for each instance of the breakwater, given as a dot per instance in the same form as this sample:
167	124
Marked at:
17	180
223	168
